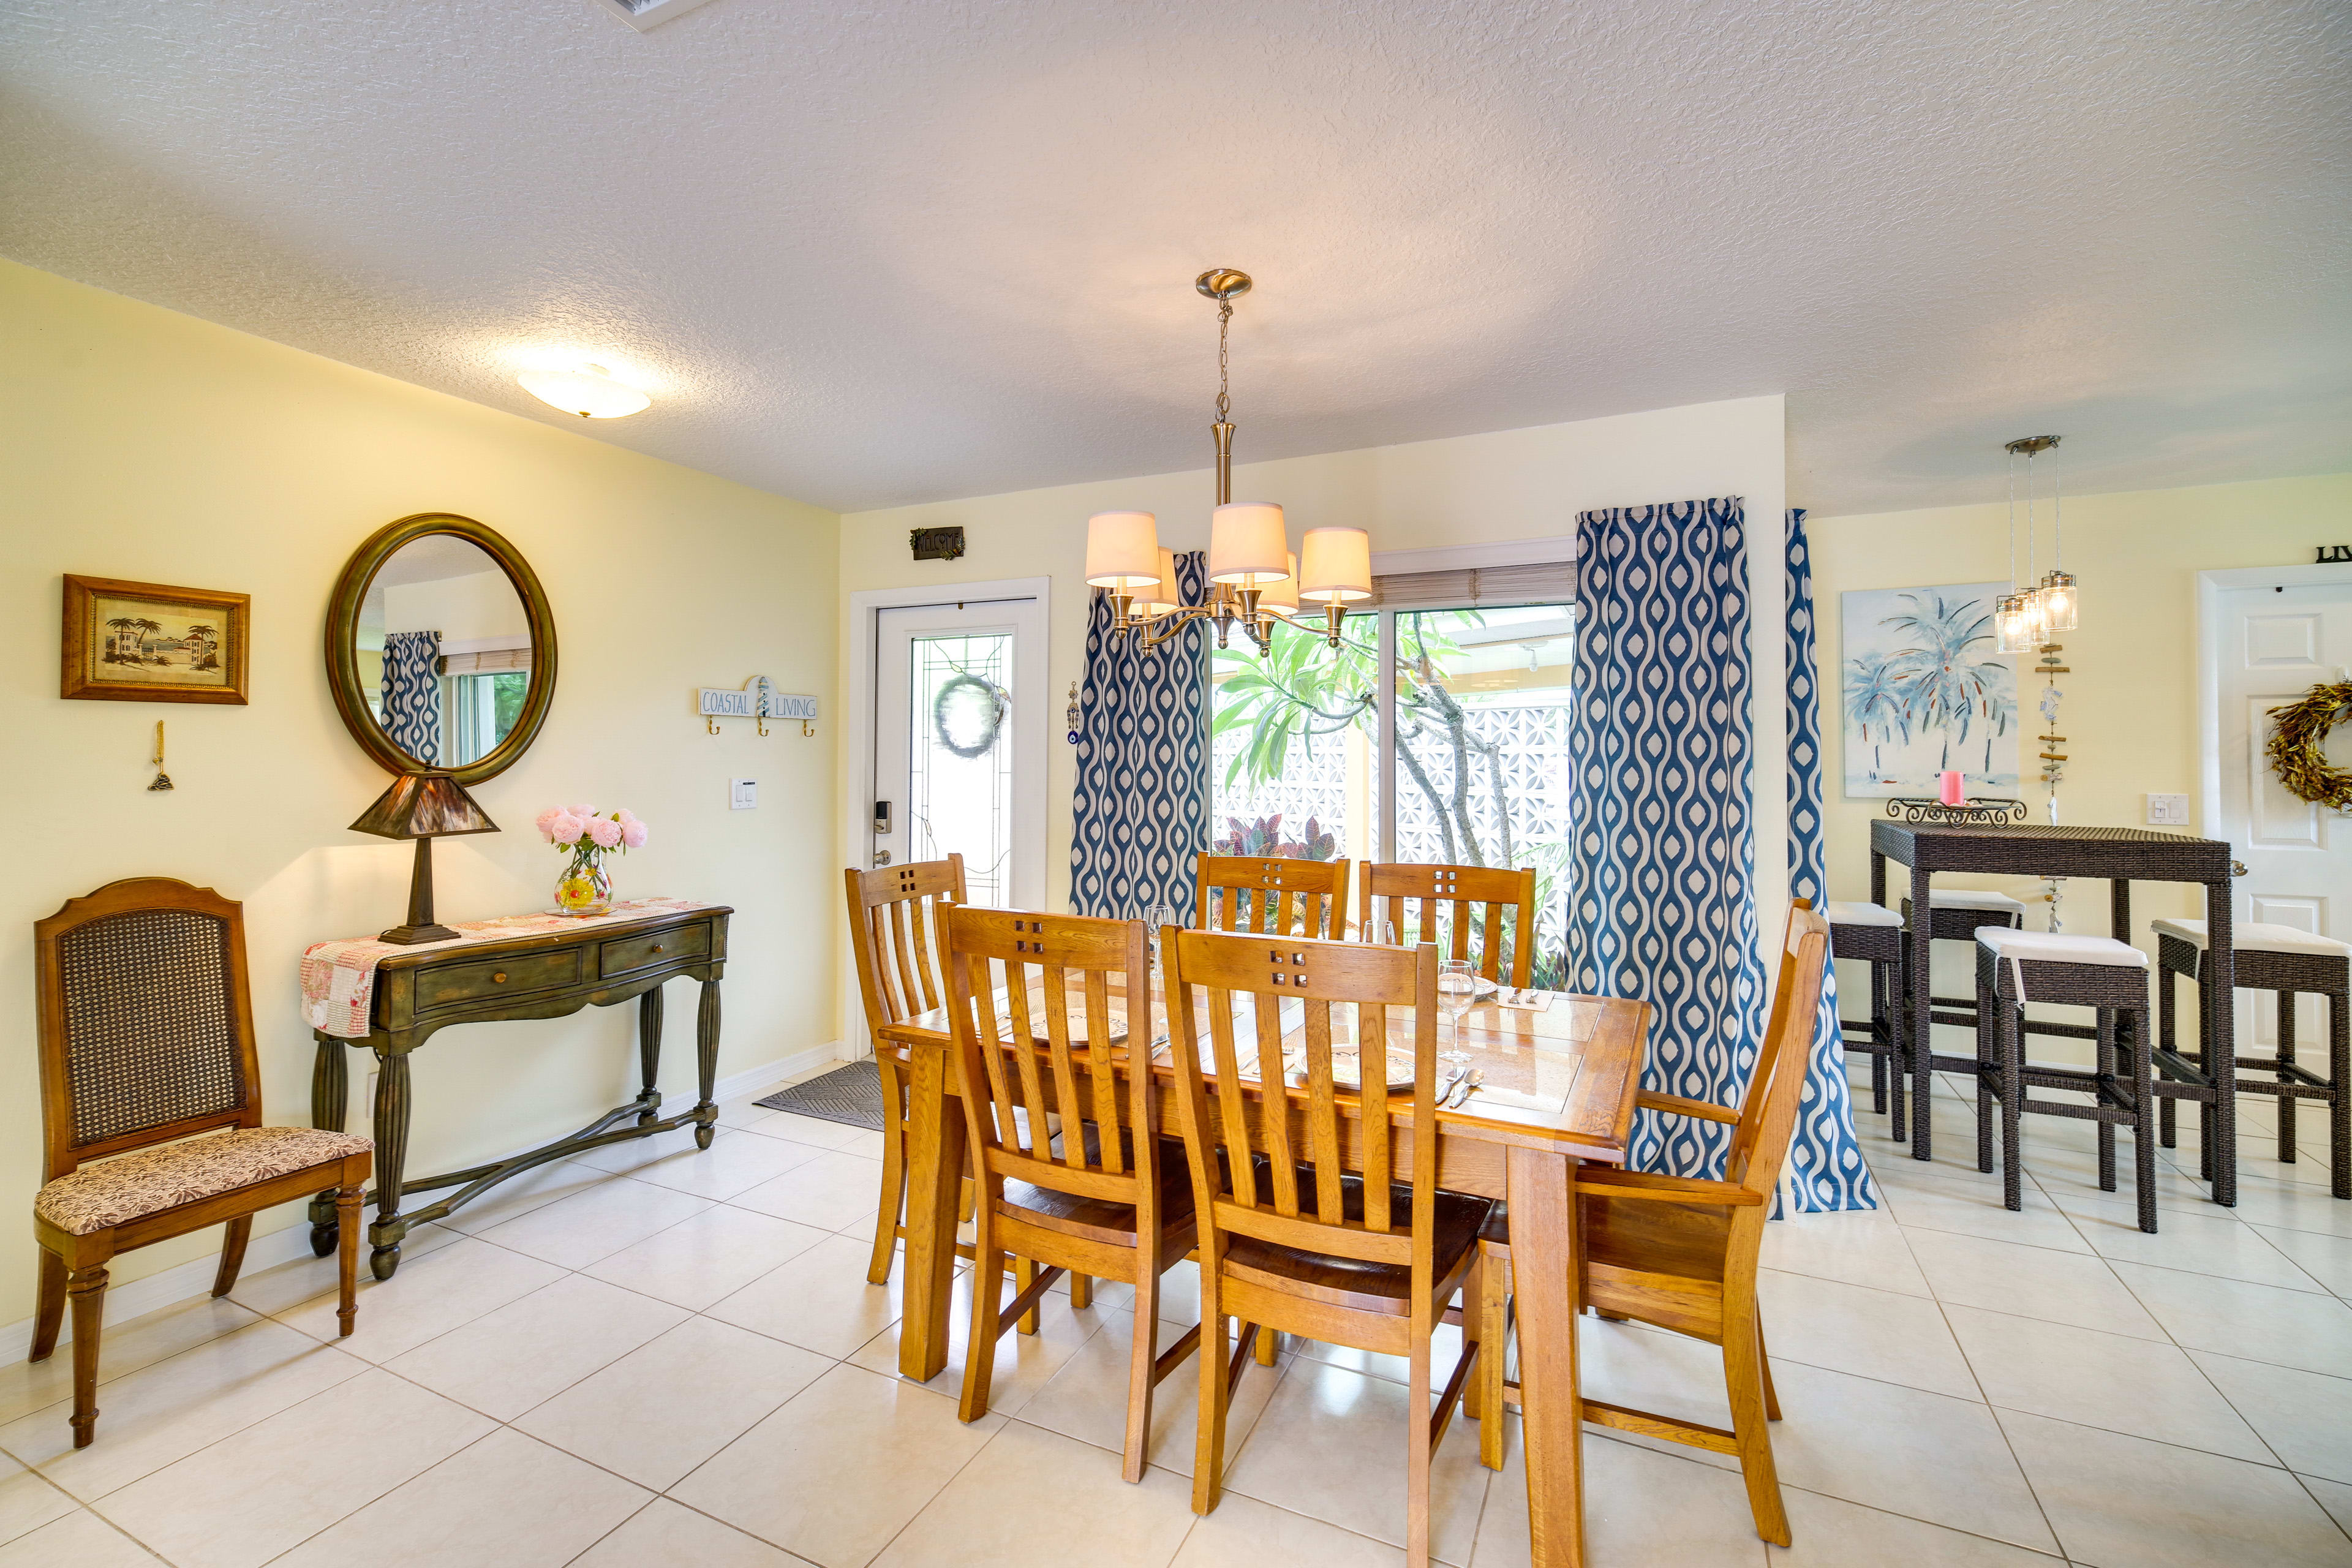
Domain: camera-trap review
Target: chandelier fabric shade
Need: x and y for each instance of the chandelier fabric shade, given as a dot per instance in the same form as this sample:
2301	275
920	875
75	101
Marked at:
1123	550
1335	565
1163	597
1282	594
1247	546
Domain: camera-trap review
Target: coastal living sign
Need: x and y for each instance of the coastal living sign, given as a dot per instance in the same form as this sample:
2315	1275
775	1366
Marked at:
757	699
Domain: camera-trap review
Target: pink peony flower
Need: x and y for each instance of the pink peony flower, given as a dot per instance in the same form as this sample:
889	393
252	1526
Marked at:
582	812
564	826
545	821
633	834
604	831
625	817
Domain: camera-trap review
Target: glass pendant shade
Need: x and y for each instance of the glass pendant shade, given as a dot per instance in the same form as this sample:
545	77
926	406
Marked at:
2009	623
1163	597
1282	594
1336	566
1246	547
2060	605
1123	550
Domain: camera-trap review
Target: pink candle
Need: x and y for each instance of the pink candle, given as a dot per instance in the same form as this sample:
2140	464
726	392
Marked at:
1953	794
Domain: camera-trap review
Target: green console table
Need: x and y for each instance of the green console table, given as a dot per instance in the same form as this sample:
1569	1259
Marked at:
419	992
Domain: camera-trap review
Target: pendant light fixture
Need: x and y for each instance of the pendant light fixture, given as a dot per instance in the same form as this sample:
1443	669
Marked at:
1255	580
2024	617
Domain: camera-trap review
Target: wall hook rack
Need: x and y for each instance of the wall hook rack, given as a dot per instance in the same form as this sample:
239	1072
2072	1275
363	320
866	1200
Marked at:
757	700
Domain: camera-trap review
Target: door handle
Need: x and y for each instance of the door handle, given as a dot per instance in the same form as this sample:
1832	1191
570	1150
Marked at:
882	857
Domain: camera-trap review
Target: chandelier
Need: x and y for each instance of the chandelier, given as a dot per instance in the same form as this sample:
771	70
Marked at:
2024	617
1255	580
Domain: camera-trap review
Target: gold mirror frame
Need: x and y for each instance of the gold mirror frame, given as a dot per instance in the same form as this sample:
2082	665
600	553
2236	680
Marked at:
342	624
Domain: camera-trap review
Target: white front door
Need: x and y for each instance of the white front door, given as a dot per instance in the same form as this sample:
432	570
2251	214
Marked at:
2270	645
959	711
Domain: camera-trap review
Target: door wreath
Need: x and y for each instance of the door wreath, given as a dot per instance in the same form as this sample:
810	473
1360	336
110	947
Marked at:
967	714
2296	746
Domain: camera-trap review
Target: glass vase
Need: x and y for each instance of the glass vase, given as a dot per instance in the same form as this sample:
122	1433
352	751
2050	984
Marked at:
585	887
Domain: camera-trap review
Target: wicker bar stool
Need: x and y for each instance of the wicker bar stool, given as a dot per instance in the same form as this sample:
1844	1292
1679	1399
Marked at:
2097	972
2287	962
1873	935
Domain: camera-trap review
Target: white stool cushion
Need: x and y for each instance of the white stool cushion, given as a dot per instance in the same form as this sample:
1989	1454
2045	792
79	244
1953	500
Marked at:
1969	898
2059	947
1844	914
2260	935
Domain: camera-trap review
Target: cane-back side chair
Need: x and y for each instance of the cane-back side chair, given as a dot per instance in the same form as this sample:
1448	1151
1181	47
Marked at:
1063	1114
1445	904
1261	893
1680	1253
1324	1233
150	1107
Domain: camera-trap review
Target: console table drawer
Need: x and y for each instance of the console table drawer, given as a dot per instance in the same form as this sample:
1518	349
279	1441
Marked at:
462	983
624	953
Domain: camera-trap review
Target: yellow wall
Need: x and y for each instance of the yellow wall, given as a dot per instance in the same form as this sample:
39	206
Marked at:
1505	485
147	445
2129	713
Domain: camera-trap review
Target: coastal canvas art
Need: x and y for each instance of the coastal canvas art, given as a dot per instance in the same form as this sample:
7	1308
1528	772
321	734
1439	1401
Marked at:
1926	688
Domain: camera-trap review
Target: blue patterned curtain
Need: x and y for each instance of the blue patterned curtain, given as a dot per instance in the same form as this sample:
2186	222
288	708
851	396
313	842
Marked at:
412	693
1663	753
1141	814
1825	1165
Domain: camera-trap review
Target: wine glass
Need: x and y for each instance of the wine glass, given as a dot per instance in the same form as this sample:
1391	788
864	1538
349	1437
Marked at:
1457	987
1379	933
1154	919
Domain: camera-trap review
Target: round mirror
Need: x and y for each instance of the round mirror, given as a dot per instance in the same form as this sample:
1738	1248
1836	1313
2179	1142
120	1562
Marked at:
441	649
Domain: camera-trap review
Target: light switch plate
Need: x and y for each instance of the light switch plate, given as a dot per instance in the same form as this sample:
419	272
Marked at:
2167	810
742	794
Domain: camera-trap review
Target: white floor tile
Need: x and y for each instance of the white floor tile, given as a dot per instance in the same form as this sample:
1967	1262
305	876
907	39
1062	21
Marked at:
80	1539
2212	1242
576	1231
1859	1247
27	1502
269	1487
1086	1399
2125	1503
819	1300
809	1131
2327	1258
428	1298
864	1453
1243	1532
1852	1327
2030	1282
1642	1509
2204	1313
665	1407
828	1191
1974	1208
662	1534
123	1348
2294	1206
1023	1361
1829	1533
1331	1444
989	1515
733	1164
508	1500
2336	1497
279	1290
701	1260
530	1350
534	1189
2305	1416
636	1154
2096	1378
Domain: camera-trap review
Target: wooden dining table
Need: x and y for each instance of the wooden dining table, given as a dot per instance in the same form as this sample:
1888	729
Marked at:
1555	1087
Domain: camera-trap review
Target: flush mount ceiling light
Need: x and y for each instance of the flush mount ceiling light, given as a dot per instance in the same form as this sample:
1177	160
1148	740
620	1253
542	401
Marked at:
1253	577
589	392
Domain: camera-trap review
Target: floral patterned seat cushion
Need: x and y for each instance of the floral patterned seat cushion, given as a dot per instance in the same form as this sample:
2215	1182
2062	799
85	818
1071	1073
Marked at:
149	1181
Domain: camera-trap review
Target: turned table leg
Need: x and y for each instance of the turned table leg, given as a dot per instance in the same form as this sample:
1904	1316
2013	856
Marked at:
391	1160
649	1033
706	1061
330	1094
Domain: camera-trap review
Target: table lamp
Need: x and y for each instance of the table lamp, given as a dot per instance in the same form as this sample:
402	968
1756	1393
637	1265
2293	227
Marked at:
422	806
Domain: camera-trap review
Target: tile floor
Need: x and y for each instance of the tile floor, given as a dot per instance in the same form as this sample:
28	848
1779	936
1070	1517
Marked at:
656	1357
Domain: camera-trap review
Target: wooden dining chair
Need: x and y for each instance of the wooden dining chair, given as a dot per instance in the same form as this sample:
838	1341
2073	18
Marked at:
1062	1124
150	1107
897	933
1444	903
1256	893
1680	1253
1334	1226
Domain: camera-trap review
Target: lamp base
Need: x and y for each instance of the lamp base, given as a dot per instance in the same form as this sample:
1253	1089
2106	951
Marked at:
412	936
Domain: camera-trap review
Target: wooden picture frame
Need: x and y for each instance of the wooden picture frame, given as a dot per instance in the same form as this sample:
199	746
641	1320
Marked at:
147	642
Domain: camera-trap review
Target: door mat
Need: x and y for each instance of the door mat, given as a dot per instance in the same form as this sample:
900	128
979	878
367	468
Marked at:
851	1094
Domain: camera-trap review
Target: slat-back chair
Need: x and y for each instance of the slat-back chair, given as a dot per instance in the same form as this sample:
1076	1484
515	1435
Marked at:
1099	1200
146	1041
1266	893
1442	904
1333	1229
897	933
1680	1253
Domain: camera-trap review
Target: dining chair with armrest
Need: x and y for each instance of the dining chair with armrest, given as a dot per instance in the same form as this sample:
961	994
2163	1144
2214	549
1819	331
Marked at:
1444	903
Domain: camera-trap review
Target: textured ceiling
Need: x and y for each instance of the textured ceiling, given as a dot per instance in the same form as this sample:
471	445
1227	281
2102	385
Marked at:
869	254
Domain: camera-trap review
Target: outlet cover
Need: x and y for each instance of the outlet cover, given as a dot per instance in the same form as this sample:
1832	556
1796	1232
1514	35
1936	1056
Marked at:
2167	810
742	794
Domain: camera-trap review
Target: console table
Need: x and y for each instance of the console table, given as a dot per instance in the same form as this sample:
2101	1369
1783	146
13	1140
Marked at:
2119	856
485	977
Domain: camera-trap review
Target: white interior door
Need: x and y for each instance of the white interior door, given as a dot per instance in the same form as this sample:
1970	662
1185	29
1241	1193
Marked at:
2270	645
958	714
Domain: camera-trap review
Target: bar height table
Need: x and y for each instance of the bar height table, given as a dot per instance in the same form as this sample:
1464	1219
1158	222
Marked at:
2119	856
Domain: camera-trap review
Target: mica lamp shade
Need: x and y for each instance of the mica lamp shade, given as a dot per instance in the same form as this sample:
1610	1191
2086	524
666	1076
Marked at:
422	806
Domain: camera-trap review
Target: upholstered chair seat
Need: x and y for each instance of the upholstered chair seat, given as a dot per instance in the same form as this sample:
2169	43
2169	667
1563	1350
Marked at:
148	1181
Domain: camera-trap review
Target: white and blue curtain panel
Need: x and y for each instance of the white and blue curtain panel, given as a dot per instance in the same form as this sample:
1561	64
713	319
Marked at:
1141	815
1663	856
412	693
1826	1169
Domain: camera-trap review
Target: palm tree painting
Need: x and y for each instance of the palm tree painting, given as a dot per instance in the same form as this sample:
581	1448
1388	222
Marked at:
1926	689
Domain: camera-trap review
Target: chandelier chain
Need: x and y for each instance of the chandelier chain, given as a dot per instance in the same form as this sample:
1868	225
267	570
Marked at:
1224	398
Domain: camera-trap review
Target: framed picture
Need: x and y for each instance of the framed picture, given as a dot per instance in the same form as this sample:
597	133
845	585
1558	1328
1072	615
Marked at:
144	642
1926	690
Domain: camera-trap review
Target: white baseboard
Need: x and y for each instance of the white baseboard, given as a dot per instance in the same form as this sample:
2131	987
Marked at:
194	1278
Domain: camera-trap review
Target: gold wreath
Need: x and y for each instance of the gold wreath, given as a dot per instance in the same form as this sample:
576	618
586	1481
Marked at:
2295	746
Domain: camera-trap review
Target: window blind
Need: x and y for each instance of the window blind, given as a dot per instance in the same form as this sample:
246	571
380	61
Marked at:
1535	582
489	661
